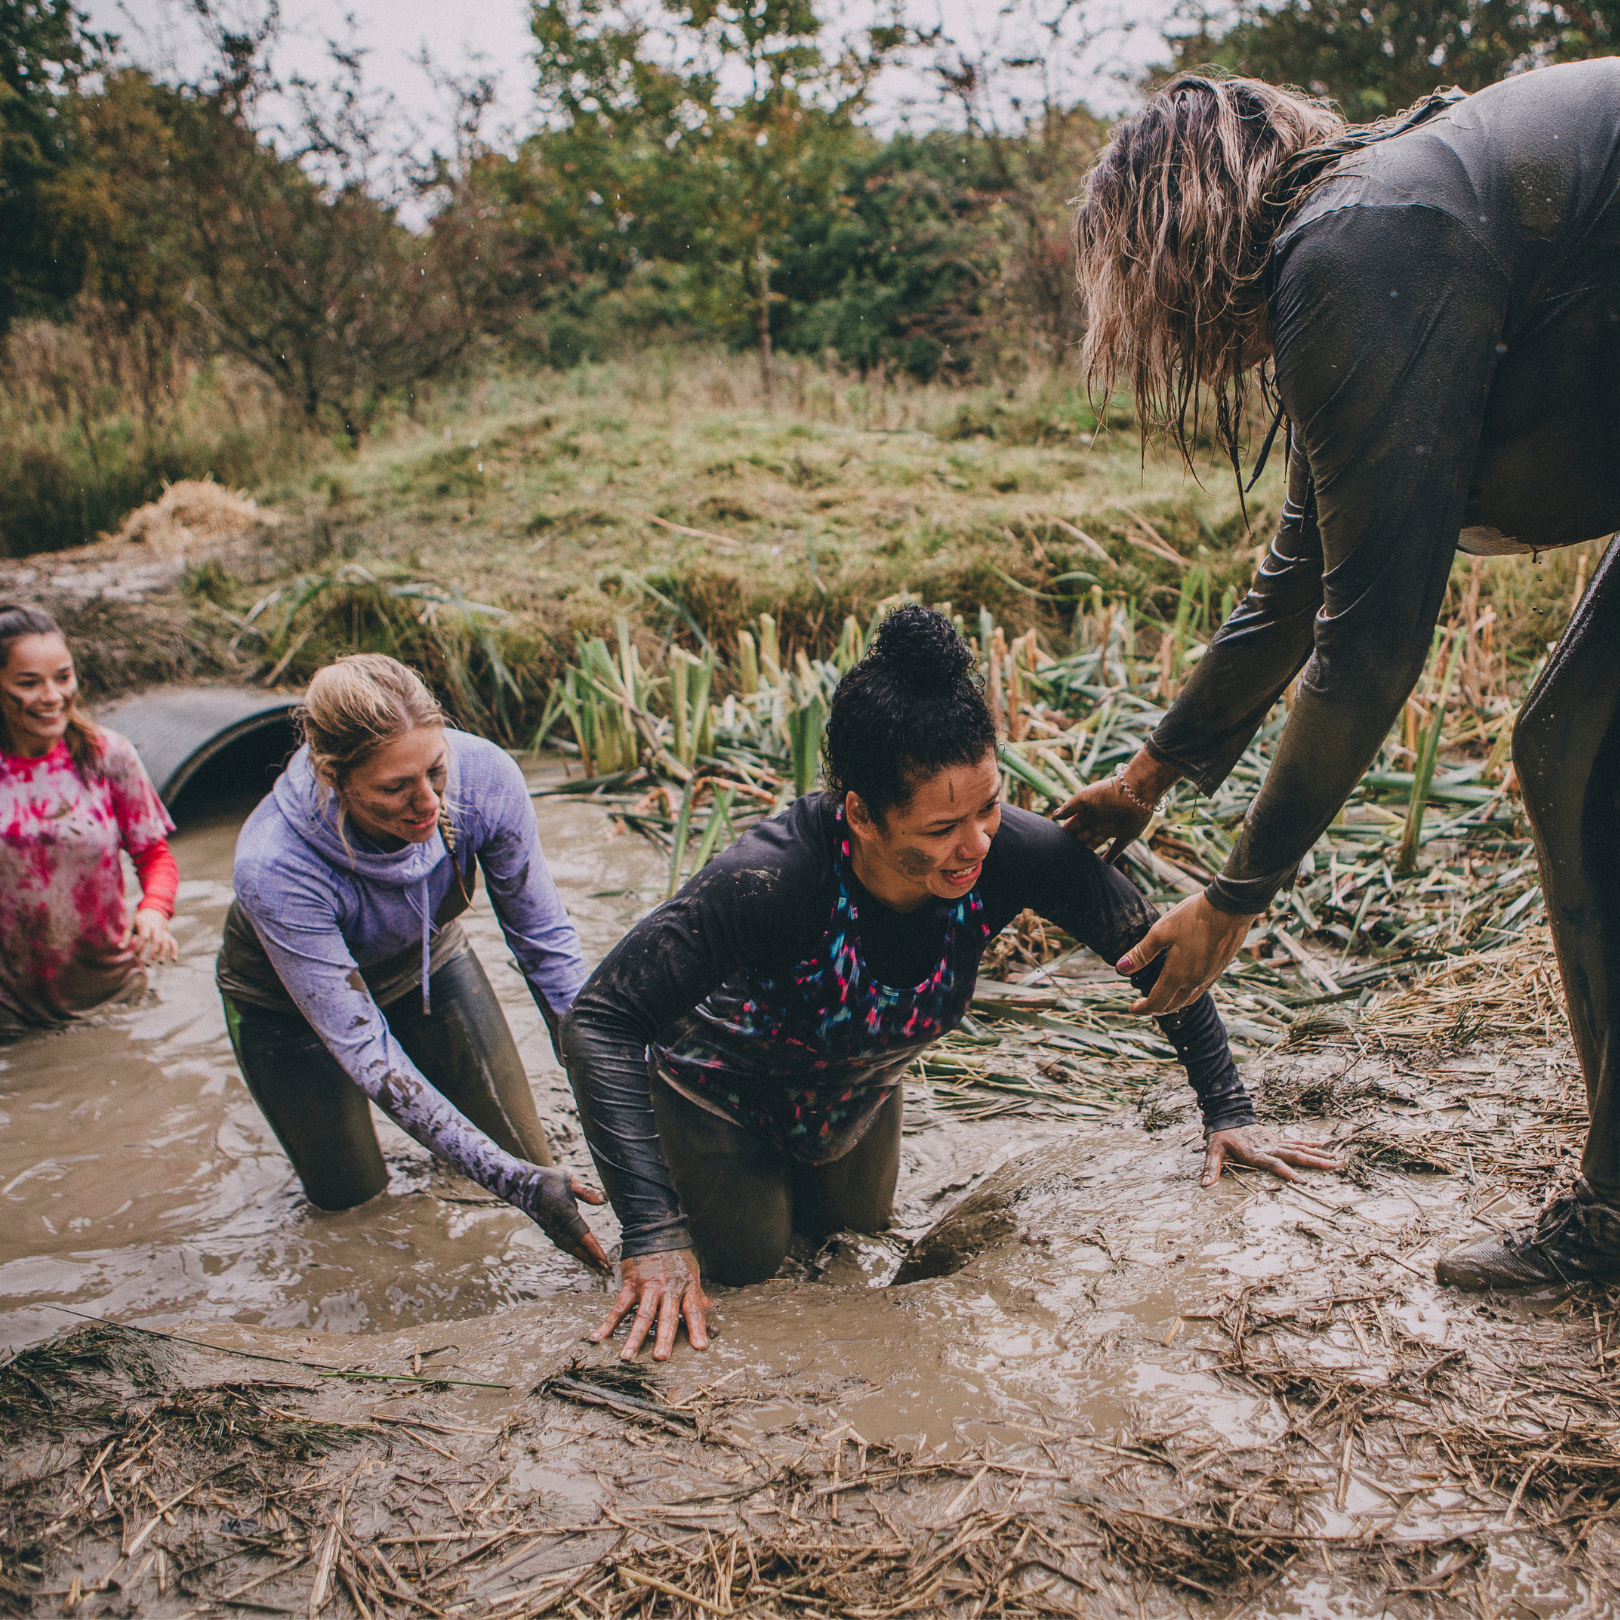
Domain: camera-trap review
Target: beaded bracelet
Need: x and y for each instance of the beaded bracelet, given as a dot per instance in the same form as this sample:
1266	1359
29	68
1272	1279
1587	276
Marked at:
1149	805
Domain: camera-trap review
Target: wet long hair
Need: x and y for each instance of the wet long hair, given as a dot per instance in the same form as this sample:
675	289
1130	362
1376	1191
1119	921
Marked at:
911	707
1171	239
82	738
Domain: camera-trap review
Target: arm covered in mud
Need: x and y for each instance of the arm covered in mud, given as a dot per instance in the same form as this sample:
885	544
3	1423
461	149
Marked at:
531	913
742	910
1044	868
298	927
1386	324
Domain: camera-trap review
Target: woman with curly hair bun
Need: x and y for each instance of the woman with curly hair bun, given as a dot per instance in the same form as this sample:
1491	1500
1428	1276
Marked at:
74	798
737	1057
1438	300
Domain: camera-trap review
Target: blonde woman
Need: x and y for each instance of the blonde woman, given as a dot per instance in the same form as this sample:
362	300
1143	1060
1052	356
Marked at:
346	975
74	798
1439	299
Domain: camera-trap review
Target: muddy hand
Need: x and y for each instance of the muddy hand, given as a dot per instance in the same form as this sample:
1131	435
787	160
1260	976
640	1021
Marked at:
1196	941
665	1288
1236	1147
148	931
1109	812
548	1201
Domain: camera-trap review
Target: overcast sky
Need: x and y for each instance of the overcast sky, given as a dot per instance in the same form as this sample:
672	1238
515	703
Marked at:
1101	48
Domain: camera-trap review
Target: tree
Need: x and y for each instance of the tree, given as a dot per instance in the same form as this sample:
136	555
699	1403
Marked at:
1375	59
289	253
45	51
700	132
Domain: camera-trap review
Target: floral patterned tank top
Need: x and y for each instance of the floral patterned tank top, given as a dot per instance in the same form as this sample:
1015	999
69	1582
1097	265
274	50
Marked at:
807	1057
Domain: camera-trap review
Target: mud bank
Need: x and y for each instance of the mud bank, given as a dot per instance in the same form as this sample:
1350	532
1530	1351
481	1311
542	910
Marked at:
1108	1390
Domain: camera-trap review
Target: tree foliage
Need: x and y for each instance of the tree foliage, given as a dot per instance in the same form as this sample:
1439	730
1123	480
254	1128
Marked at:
1375	59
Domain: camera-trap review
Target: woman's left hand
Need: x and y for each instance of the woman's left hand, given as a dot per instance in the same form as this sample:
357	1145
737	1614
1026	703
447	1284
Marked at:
1236	1147
148	931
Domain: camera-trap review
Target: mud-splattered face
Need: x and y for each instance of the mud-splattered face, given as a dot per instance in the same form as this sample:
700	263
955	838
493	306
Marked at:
936	844
394	797
37	688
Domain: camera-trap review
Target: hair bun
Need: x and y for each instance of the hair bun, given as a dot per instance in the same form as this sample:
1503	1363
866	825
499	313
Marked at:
920	648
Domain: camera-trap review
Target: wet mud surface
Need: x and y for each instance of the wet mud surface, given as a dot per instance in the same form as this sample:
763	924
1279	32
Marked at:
1106	1391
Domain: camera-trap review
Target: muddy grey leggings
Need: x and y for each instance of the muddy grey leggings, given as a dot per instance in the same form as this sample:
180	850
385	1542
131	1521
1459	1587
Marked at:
1566	749
744	1197
323	1119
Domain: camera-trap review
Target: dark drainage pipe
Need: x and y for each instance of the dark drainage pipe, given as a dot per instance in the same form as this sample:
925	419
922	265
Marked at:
180	732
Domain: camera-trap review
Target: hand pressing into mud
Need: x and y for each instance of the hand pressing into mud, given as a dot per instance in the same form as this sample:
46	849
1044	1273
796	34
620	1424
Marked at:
1237	1147
665	1288
547	1198
148	930
1117	810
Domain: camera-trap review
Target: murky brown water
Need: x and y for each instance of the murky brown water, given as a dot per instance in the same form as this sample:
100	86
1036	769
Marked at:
140	1183
139	1180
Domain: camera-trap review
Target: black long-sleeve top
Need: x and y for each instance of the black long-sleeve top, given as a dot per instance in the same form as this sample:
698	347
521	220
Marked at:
1445	310
762	907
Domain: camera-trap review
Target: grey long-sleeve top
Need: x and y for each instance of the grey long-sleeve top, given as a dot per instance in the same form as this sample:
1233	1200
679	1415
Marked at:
1445	312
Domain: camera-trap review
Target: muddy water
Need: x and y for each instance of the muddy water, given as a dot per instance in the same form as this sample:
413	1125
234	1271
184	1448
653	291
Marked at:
139	1181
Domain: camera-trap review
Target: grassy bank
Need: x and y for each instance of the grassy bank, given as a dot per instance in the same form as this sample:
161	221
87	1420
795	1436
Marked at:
523	508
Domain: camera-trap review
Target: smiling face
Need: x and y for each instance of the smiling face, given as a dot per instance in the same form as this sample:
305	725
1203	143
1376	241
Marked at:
37	689
935	844
394	796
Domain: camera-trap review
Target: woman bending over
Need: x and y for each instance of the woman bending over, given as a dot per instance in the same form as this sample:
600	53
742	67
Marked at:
344	970
73	797
737	1058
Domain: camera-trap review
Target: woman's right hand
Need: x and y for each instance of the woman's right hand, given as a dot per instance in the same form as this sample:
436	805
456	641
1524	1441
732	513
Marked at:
1104	811
663	1287
547	1197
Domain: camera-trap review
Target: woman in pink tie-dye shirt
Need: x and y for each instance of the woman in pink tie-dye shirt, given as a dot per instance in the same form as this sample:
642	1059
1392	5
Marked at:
73	797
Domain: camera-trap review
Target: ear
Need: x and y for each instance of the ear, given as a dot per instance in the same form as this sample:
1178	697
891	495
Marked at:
861	821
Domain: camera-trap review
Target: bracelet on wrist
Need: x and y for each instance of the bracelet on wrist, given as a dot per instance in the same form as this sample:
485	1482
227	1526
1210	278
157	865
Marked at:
1151	806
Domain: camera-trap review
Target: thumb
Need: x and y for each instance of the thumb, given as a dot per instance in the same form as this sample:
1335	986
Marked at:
1150	946
583	1189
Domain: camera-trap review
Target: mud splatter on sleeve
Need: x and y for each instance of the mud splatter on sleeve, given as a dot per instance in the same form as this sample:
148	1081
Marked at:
759	902
531	913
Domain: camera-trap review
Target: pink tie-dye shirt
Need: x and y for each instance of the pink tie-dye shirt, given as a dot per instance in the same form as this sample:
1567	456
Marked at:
63	906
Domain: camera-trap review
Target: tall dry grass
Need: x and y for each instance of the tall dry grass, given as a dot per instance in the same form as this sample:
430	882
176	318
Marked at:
97	414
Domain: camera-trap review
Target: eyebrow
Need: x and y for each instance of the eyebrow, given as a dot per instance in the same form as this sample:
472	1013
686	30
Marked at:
399	781
956	821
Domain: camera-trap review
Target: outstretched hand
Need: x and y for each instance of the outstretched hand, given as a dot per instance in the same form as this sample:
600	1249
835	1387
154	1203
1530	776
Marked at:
1117	811
1196	941
1236	1147
665	1288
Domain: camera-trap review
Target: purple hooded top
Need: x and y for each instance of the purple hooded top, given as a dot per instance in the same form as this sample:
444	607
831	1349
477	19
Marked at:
334	916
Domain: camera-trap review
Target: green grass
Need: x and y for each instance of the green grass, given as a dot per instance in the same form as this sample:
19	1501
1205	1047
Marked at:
565	499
